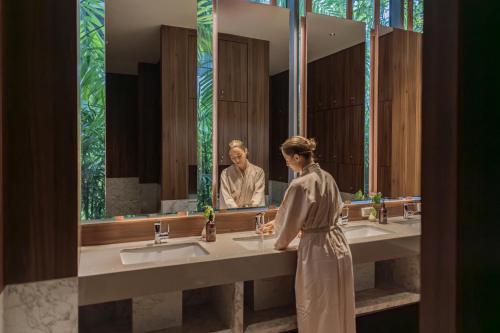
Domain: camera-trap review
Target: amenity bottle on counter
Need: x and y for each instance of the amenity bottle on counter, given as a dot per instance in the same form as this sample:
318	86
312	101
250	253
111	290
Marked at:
382	214
211	232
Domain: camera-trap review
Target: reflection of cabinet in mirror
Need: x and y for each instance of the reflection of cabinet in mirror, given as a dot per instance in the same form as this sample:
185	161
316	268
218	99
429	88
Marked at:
178	78
399	113
243	97
335	113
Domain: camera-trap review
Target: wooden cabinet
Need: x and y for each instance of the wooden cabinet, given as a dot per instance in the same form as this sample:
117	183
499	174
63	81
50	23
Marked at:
233	71
232	124
399	113
350	178
337	79
354	75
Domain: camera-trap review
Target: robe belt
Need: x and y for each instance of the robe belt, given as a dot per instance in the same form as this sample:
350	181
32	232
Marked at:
319	230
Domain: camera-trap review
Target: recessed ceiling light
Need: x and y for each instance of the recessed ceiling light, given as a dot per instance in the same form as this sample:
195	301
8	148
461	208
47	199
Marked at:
332	34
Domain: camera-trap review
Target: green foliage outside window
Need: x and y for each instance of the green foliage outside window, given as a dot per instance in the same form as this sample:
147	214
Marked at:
335	8
205	106
418	15
93	106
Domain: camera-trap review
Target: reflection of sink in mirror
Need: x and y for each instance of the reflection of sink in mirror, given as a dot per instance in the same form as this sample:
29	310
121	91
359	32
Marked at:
363	231
161	253
259	243
411	223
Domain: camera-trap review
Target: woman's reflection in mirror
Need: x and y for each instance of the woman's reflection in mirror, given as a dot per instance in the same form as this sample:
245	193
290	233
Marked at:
242	184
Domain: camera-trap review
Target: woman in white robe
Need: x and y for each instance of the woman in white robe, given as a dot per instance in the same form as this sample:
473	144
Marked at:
242	184
324	286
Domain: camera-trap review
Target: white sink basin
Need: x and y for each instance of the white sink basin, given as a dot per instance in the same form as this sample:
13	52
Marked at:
261	243
363	231
161	253
267	242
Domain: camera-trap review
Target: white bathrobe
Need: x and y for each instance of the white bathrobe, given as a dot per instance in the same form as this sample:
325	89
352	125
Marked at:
324	286
238	189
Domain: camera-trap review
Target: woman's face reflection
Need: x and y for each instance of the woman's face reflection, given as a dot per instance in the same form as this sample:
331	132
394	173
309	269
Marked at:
239	157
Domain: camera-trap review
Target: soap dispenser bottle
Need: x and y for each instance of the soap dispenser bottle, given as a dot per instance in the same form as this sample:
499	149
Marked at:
211	232
382	216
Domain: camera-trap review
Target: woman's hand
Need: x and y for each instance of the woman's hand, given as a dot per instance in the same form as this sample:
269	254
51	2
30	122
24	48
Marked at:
267	228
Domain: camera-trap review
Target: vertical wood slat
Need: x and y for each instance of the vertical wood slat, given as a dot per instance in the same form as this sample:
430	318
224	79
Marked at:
349	11
174	95
1	148
440	157
41	175
303	76
373	144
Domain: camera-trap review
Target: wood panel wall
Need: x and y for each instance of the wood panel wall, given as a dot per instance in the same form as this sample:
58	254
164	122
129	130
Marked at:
121	126
41	201
400	104
149	114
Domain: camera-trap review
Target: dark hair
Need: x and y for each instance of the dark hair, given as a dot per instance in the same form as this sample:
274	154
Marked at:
300	146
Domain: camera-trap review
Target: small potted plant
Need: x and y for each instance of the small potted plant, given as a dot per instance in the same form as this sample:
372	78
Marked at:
376	199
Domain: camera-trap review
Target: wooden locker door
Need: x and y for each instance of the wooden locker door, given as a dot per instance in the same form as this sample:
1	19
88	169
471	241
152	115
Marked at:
321	86
344	181
357	125
344	124
338	80
233	71
355	75
232	125
337	131
358	177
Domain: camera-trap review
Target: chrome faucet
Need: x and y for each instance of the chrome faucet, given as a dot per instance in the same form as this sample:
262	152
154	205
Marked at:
259	221
159	235
344	219
407	212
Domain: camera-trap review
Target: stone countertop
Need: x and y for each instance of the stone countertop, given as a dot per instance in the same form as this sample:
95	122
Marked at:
103	277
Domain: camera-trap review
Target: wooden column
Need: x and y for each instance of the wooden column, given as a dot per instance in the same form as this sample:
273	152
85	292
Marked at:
460	230
41	175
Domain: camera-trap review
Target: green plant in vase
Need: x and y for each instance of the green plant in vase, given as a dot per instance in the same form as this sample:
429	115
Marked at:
376	199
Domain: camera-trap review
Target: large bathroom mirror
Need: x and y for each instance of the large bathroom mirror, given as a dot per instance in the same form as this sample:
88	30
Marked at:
336	98
151	100
252	98
399	112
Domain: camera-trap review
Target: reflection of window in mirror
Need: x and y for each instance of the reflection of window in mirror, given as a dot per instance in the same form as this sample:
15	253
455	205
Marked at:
150	46
336	51
242	184
252	96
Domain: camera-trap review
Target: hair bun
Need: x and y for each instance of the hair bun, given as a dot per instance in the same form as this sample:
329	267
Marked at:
312	144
